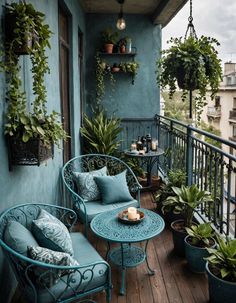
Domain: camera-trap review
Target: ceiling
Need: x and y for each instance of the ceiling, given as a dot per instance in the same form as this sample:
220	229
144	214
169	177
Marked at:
160	11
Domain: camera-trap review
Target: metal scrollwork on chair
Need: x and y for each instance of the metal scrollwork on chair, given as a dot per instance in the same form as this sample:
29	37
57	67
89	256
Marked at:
91	162
49	283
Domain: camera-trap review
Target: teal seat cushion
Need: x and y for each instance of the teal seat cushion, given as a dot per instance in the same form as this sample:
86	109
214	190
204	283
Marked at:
52	233
87	188
113	189
96	207
18	237
85	254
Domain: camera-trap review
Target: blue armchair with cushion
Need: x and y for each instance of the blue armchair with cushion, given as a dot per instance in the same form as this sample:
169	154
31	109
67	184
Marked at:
99	183
50	263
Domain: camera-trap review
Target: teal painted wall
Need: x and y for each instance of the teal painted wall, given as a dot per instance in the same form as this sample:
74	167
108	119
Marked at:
40	184
142	98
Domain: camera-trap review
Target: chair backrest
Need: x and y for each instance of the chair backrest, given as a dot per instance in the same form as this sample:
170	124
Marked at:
25	214
90	162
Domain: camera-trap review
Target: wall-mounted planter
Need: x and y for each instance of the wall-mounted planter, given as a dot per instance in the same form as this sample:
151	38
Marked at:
33	152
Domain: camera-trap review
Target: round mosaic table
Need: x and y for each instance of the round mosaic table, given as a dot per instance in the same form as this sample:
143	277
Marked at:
148	159
108	227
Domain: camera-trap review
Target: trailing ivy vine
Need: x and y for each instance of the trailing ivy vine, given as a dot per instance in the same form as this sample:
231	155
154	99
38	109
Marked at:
35	123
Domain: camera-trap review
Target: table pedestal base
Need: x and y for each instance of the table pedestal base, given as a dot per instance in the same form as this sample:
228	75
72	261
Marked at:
127	256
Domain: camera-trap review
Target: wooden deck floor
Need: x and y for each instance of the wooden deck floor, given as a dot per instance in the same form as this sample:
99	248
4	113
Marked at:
173	282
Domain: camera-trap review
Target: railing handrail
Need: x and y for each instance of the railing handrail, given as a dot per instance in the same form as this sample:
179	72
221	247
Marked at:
200	131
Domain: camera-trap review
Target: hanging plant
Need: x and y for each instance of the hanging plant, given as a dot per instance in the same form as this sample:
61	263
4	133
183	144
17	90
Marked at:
102	69
192	64
130	67
22	123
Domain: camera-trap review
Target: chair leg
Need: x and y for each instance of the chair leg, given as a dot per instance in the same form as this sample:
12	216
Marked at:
108	295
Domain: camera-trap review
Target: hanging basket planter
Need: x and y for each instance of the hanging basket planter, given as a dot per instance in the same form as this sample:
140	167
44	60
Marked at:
191	64
22	45
186	84
33	152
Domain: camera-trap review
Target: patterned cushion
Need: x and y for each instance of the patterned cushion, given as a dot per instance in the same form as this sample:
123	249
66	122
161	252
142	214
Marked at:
18	237
87	188
113	189
47	276
52	233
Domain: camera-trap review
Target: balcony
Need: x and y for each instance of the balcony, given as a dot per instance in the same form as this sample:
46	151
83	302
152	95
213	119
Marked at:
214	112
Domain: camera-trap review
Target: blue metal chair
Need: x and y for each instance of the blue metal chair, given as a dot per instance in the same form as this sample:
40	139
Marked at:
92	275
87	210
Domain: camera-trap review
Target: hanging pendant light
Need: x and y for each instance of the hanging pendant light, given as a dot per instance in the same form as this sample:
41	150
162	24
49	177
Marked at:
120	24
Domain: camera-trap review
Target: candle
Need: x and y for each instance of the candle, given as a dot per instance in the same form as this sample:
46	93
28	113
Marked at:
154	144
132	213
133	146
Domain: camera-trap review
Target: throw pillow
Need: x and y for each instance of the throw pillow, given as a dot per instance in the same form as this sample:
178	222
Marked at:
18	237
46	276
52	233
86	185
114	188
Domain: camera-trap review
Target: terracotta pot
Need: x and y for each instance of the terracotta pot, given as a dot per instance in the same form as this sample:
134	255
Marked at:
115	69
122	49
108	48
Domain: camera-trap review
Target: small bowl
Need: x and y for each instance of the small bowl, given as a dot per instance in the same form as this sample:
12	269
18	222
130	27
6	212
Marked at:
123	217
115	69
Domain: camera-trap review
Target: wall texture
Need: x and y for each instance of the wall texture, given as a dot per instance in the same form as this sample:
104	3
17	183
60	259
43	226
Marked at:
40	184
127	100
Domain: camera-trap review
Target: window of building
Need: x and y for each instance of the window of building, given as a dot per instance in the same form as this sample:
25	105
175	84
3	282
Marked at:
217	101
231	80
234	130
234	103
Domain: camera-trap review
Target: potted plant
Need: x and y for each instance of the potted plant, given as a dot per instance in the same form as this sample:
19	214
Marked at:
185	201
175	178
100	133
109	39
130	67
221	271
200	237
29	128
194	65
115	68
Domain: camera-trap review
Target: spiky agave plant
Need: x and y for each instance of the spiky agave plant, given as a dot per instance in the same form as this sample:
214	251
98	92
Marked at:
101	133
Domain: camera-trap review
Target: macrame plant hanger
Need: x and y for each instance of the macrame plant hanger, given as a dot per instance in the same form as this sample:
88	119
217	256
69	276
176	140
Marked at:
190	32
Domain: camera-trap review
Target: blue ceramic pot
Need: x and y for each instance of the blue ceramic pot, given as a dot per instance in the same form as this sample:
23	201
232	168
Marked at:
220	291
195	256
178	238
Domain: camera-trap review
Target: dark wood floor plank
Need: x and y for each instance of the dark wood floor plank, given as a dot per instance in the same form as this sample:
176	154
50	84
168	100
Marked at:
173	294
157	281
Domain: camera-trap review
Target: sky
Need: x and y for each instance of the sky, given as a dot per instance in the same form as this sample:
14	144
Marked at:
214	18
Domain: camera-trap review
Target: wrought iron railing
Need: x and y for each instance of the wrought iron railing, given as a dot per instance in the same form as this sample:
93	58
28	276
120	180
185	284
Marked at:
209	162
